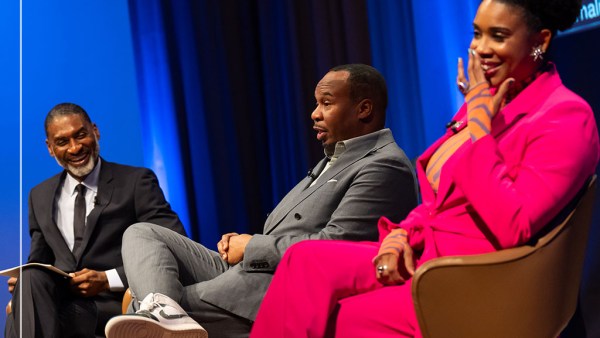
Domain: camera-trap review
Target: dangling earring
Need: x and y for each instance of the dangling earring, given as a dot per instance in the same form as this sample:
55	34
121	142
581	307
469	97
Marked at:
537	53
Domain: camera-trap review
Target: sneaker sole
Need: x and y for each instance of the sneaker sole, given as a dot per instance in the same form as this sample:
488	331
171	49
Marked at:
141	327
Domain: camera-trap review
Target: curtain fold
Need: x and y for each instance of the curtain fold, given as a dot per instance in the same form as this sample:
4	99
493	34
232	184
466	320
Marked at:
160	130
443	32
228	88
416	45
393	47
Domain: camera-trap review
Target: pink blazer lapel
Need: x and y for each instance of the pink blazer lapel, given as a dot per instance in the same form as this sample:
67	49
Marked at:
520	107
523	104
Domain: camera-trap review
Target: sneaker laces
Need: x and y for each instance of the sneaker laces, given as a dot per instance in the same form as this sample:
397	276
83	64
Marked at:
148	309
149	306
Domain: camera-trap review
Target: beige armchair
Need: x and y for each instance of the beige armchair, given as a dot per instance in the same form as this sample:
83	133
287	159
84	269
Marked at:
529	291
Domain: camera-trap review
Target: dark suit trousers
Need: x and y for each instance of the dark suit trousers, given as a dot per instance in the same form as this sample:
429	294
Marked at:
44	304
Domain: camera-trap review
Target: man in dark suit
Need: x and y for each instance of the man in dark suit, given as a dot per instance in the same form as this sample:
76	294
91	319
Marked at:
364	175
76	222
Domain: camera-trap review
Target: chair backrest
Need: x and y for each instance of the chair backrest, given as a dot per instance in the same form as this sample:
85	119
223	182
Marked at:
529	291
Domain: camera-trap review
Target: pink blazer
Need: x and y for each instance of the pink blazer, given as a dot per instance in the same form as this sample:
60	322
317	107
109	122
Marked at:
499	191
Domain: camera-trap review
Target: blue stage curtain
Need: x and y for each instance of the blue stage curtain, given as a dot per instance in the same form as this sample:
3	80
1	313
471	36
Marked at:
160	131
392	35
416	45
227	88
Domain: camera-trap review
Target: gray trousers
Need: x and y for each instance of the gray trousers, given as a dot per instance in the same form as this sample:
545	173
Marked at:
159	260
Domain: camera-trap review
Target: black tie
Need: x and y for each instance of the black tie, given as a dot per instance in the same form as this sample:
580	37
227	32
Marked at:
79	217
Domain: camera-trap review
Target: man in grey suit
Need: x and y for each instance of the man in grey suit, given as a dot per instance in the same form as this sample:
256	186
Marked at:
112	197
365	175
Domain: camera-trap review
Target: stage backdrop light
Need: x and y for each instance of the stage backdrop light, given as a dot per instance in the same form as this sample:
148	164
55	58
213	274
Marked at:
9	152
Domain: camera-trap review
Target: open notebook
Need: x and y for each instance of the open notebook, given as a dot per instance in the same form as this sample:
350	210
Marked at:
14	272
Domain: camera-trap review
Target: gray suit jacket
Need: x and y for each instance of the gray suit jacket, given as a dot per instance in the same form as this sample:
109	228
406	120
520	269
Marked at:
372	178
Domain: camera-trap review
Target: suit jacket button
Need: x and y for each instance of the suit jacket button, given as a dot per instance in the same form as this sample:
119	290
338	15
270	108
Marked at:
297	216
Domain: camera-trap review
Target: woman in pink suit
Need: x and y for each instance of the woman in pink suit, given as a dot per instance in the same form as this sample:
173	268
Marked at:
518	151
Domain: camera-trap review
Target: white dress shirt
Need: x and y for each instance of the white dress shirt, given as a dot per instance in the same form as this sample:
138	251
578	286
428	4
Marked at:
65	209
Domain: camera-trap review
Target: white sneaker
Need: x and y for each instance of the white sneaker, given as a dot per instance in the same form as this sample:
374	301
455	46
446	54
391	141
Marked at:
158	316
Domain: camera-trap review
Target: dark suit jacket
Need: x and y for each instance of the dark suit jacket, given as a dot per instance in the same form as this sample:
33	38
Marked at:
373	178
126	195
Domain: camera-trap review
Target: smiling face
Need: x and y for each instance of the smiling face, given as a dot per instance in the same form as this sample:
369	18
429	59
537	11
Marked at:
504	42
336	116
73	142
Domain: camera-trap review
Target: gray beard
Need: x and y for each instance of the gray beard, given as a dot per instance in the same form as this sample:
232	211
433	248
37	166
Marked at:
86	168
79	171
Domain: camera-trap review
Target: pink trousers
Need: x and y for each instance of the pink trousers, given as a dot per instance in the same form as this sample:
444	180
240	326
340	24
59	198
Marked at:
329	289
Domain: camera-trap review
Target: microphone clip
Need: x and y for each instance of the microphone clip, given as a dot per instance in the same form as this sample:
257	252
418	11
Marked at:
454	125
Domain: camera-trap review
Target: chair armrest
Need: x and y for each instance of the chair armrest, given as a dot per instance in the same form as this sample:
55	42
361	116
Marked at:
126	301
527	291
